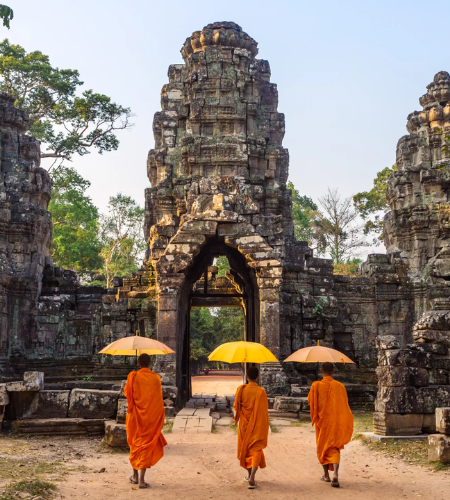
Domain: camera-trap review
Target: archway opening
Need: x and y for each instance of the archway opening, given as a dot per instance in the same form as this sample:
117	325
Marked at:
219	304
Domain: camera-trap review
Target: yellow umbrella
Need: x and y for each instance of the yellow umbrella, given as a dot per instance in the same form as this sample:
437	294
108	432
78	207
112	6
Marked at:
318	354
135	346
242	352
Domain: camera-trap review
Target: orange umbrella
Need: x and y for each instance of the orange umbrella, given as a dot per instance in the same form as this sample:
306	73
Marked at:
318	354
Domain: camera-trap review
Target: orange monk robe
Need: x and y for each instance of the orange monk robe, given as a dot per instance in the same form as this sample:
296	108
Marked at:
145	418
252	414
332	417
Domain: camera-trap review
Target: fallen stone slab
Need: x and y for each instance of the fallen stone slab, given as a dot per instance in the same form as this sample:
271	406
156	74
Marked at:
439	448
280	422
225	421
394	424
59	427
90	403
115	434
48	404
377	437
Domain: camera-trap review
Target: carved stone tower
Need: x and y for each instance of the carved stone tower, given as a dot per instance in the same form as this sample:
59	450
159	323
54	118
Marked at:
218	174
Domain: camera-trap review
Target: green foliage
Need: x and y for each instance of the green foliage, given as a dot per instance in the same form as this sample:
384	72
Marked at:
66	123
75	225
374	203
7	14
320	309
223	265
121	237
305	213
211	327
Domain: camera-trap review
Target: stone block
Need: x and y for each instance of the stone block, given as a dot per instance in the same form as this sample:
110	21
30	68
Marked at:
4	396
392	424
90	403
443	420
48	404
286	403
433	397
32	381
439	448
388	342
170	392
405	357
429	423
115	434
400	376
59	427
122	406
170	411
122	389
398	400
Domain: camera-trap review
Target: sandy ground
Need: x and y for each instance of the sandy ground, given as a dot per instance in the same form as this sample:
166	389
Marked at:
205	467
216	384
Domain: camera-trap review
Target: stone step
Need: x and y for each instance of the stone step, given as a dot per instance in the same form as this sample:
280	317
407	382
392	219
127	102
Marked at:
192	424
59	427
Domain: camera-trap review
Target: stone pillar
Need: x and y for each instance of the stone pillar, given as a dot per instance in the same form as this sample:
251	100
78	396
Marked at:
168	325
273	377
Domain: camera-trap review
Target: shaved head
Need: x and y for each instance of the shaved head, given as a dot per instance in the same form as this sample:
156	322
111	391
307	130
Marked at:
144	360
327	368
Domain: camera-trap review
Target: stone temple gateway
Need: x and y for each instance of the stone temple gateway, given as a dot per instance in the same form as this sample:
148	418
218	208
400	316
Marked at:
218	175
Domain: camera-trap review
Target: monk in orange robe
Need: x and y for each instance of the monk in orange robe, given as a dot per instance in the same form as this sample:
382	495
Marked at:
252	415
333	419
145	420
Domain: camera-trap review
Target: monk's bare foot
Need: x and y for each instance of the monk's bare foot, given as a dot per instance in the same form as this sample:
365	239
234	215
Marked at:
143	486
133	480
326	479
251	485
335	482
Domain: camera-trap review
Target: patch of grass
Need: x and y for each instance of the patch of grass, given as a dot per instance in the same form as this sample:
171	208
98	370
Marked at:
35	487
273	428
411	452
12	468
234	428
214	429
357	435
363	422
167	429
299	424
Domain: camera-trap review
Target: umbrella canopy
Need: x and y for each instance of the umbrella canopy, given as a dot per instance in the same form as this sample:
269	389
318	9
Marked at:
135	346
242	352
318	354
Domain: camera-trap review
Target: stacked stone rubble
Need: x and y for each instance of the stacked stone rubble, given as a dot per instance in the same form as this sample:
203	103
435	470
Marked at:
414	364
439	444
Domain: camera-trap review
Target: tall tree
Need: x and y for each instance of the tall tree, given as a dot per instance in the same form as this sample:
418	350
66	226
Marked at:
372	205
305	213
121	237
75	225
7	14
65	122
337	224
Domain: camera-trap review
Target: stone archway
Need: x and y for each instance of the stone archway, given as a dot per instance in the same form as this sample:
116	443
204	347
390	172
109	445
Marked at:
184	261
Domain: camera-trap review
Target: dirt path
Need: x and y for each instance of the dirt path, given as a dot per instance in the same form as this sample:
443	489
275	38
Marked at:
216	384
205	467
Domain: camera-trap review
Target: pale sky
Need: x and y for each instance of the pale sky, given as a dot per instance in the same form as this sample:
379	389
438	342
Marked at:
348	74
